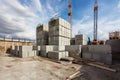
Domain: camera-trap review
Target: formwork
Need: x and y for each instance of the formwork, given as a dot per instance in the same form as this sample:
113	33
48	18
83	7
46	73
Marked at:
100	53
80	39
74	50
57	55
59	32
42	34
115	45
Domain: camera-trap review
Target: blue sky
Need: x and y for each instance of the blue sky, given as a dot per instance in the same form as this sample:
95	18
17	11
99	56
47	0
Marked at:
19	18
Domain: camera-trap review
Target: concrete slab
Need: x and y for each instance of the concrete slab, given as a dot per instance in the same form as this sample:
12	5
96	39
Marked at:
46	48
101	53
26	51
74	50
57	55
115	46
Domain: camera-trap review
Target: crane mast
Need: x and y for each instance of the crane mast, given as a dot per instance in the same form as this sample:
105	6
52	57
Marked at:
70	14
95	20
70	11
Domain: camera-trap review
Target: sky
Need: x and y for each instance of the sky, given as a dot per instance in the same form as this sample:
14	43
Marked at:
19	18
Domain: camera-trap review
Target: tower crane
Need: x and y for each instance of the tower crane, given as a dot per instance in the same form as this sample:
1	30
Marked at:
95	22
70	14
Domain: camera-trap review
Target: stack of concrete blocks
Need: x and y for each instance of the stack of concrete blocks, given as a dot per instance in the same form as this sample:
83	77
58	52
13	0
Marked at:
26	51
48	48
100	53
57	55
12	51
74	50
42	34
59	32
80	39
115	45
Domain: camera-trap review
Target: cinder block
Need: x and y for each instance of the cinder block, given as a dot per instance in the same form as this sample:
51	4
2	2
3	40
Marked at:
101	53
74	50
57	55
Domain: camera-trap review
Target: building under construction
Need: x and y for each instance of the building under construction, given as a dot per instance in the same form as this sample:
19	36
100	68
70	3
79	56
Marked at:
59	32
58	56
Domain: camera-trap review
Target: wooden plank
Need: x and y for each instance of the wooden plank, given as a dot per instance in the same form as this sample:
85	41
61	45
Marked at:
74	75
102	67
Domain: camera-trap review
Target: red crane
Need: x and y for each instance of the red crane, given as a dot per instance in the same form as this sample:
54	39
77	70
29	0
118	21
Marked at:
70	14
70	11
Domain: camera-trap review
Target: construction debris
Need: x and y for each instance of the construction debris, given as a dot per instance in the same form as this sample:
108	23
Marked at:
102	67
74	75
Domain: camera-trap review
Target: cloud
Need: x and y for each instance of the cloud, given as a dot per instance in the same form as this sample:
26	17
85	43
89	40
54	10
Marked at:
119	5
19	18
108	21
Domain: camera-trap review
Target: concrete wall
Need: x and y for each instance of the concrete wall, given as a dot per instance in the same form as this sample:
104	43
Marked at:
57	55
74	50
27	51
101	53
115	45
6	45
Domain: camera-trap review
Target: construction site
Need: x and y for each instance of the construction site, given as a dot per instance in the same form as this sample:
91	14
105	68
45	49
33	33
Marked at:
56	55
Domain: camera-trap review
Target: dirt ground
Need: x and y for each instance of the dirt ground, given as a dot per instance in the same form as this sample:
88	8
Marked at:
38	68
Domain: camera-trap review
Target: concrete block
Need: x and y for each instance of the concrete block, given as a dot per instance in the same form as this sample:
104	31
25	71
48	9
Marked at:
16	51
34	47
38	48
38	51
74	50
12	51
101	53
115	46
45	49
59	48
57	55
26	51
